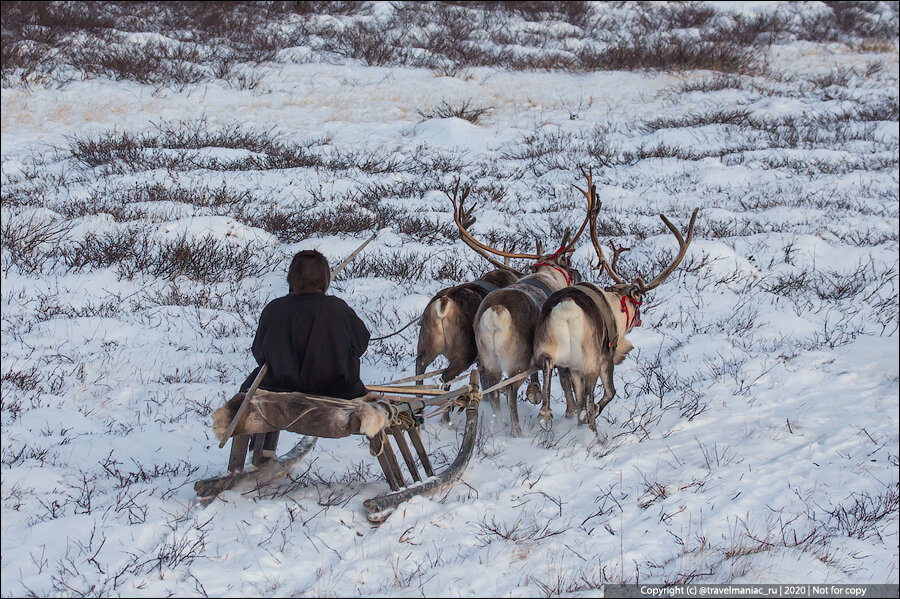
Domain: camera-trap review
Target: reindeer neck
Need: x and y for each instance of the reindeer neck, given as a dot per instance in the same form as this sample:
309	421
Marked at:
626	308
552	276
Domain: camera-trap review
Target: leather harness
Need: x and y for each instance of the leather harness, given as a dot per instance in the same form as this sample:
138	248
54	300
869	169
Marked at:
537	283
487	286
606	313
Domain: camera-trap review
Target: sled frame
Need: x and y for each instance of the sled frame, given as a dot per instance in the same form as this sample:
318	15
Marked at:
265	467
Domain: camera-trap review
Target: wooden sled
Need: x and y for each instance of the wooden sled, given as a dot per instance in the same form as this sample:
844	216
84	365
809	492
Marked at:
389	416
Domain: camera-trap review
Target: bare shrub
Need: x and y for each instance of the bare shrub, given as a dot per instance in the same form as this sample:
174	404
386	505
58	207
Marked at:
399	266
373	44
881	108
724	116
712	83
876	20
520	531
372	161
292	225
546	150
133	252
463	110
124	152
577	12
31	240
152	63
423	229
671	53
452	269
23	379
865	513
225	40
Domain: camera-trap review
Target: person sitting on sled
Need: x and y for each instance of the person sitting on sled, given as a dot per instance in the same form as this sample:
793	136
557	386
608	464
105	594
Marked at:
311	341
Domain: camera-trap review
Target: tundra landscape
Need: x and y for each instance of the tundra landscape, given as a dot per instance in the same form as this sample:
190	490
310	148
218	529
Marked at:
162	163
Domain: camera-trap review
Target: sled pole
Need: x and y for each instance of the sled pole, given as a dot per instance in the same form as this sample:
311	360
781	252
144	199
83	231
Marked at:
408	390
353	255
241	410
270	470
510	380
380	507
417	377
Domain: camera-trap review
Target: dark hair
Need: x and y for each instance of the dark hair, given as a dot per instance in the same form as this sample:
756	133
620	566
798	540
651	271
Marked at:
309	273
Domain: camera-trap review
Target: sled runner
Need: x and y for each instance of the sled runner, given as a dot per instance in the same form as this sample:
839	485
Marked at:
397	414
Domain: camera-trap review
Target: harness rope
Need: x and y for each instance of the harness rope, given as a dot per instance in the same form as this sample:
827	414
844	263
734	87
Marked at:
485	285
629	322
412	322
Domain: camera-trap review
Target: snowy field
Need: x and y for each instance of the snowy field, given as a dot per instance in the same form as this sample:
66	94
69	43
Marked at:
161	167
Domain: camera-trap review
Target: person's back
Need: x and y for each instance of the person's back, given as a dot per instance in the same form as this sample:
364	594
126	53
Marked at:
312	342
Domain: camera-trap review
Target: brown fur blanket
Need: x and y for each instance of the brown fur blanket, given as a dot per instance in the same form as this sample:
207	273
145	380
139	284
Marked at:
307	415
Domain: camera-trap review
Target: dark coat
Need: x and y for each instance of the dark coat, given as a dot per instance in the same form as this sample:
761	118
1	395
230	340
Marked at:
312	343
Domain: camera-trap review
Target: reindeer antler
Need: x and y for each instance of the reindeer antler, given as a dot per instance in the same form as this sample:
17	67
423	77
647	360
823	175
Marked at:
593	213
567	247
616	252
682	250
464	219
602	263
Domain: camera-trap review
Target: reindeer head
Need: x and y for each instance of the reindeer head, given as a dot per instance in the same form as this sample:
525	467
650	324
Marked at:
559	260
637	289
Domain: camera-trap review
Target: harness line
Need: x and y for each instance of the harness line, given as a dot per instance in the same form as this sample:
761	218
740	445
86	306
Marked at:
412	322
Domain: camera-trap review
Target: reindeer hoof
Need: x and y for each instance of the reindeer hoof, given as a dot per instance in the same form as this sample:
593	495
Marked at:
546	421
582	416
570	413
533	393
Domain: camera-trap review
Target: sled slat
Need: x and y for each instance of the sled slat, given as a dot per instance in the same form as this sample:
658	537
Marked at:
392	460
239	445
420	449
406	453
259	442
376	446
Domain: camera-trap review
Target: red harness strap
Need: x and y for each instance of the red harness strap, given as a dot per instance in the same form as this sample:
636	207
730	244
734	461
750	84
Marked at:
629	322
562	271
565	274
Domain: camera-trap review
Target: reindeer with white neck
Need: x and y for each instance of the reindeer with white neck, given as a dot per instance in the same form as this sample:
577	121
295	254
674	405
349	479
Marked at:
582	328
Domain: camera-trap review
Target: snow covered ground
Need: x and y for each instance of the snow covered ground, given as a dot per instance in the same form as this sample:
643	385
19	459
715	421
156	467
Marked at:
754	435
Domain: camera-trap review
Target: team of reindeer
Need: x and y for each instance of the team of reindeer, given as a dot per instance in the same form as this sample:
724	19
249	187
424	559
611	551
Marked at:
510	321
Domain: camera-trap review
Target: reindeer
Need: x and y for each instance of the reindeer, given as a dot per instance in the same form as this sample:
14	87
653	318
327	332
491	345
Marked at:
447	324
505	321
582	328
446	327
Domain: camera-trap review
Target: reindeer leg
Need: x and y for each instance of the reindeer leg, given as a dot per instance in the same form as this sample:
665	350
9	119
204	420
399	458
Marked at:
424	358
546	415
533	392
453	369
590	382
578	390
511	393
606	375
565	379
489	379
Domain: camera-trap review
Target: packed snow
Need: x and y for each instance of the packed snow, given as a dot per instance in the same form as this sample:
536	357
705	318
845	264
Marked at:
755	432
